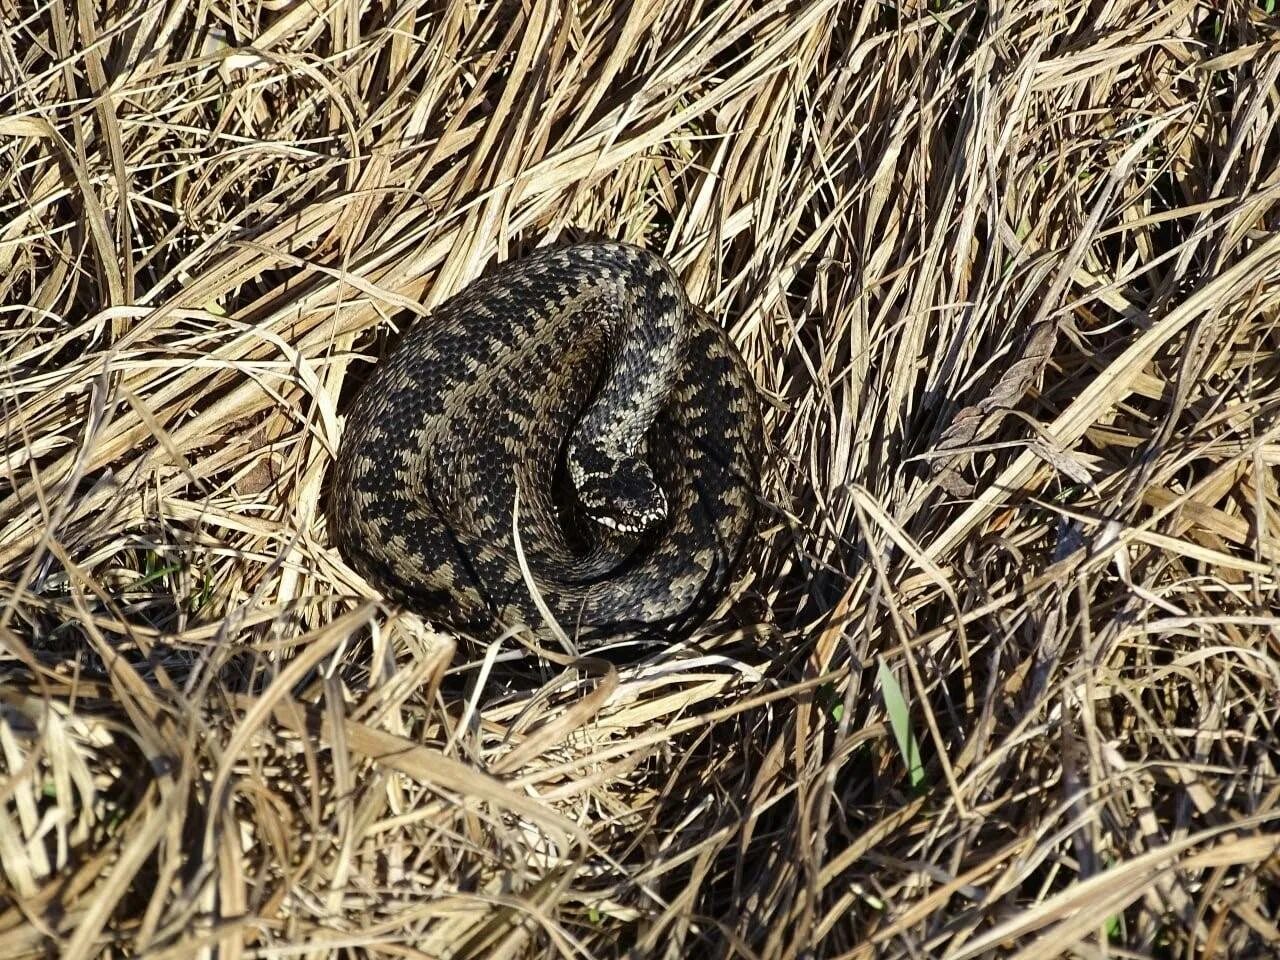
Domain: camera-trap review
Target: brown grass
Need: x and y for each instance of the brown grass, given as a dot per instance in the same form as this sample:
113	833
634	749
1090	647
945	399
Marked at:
1003	676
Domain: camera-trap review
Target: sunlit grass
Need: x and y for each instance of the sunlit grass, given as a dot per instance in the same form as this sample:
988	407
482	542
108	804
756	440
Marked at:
1000	678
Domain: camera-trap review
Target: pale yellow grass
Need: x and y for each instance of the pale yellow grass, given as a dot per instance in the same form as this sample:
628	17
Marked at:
1008	275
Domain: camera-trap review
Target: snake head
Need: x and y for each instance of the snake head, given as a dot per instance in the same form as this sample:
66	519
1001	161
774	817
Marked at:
625	497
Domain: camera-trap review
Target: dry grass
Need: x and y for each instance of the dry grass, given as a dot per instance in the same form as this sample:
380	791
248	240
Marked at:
1009	274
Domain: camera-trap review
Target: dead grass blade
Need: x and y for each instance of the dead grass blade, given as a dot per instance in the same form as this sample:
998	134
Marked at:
1042	237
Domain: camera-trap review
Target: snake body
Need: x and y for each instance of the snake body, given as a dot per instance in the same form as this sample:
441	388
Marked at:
579	393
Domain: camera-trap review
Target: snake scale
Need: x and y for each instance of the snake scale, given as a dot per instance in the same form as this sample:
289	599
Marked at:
582	387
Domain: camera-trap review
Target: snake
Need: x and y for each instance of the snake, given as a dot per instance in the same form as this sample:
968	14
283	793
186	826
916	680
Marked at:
566	444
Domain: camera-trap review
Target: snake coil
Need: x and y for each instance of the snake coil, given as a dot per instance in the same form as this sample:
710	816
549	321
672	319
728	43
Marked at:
582	381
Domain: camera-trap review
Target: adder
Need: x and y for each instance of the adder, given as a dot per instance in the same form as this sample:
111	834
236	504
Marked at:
570	425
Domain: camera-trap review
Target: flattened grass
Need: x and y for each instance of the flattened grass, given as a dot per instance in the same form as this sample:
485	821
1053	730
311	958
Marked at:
1001	678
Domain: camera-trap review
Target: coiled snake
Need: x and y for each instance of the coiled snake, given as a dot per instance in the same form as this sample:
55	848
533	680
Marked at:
584	379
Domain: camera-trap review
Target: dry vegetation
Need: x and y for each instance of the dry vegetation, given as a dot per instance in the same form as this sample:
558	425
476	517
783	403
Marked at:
1009	276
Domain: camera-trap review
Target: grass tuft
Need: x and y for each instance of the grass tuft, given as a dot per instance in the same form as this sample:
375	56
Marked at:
1008	276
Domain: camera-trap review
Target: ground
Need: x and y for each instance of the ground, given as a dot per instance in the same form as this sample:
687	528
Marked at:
1000	676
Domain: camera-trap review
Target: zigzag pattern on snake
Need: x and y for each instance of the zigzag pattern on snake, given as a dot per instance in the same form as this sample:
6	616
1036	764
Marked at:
584	378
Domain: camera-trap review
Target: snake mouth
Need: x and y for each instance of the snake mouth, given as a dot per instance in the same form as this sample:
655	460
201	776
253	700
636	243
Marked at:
638	525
